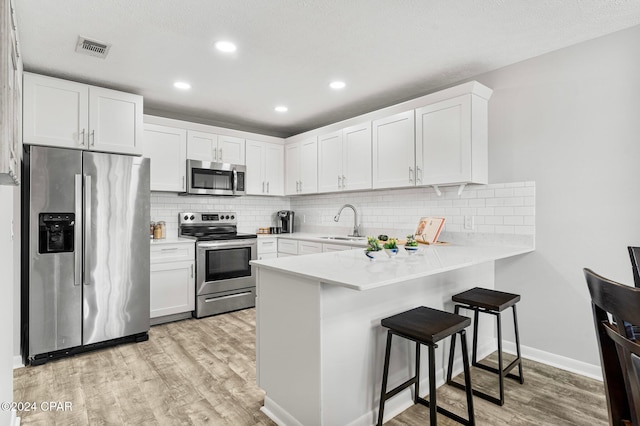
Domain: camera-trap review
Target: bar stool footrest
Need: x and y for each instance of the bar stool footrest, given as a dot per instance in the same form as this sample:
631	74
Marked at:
477	393
505	372
444	411
393	392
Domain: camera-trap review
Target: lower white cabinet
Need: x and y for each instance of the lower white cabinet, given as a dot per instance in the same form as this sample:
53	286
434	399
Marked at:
335	247
308	247
267	248
286	246
291	247
172	279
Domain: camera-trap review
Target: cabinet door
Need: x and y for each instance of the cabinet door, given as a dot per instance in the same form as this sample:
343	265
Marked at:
202	146
55	112
309	166
167	149
330	162
274	169
115	121
292	169
393	151
231	150
356	157
443	142
255	180
172	288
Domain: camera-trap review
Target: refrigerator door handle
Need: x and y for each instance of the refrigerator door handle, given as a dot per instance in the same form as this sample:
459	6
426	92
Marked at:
87	228
77	281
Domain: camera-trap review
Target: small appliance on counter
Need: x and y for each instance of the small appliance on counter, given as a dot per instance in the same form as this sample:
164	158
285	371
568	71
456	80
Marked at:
285	217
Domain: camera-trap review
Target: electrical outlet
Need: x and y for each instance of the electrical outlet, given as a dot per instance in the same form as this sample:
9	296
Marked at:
469	223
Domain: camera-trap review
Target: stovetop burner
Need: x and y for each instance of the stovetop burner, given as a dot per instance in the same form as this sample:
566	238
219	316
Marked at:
211	226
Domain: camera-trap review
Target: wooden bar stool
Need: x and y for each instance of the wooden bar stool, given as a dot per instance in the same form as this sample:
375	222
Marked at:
489	302
426	326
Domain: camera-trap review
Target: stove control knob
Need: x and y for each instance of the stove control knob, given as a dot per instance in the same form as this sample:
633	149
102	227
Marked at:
186	217
192	217
227	217
232	217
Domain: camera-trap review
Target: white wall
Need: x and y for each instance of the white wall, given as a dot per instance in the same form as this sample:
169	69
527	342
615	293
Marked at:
6	301
570	121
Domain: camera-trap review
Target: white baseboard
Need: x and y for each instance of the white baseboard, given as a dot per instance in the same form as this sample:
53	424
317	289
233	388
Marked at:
15	420
279	415
17	362
558	361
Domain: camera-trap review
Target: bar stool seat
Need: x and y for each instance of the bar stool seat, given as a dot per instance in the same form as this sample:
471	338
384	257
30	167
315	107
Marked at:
426	326
482	300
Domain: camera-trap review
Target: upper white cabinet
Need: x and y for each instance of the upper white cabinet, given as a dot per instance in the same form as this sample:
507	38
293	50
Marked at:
265	168
344	159
394	151
73	115
301	162
167	149
215	148
451	141
10	97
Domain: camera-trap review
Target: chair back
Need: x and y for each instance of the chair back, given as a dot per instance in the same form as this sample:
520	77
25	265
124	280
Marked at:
634	254
619	355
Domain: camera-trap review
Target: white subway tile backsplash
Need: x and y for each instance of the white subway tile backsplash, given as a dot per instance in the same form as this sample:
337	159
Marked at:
507	208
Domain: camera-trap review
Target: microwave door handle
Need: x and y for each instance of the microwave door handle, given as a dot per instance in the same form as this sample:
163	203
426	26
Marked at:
235	180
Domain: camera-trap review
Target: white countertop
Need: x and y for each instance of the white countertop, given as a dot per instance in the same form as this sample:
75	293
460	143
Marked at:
352	269
307	236
174	240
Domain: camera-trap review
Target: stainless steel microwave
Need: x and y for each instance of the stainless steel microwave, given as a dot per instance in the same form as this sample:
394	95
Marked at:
206	178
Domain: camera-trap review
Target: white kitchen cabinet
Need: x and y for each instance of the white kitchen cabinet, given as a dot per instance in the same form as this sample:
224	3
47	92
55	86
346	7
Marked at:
335	247
172	280
10	97
394	151
301	161
67	114
167	149
287	246
267	248
215	148
309	247
344	159
265	168
451	141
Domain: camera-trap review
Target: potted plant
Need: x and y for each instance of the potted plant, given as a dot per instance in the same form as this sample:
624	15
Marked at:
372	248
391	247
411	246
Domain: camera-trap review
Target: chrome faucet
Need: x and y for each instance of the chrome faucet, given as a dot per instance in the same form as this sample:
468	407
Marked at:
356	232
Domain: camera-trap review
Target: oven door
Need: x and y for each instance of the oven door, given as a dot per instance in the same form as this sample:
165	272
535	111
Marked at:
224	265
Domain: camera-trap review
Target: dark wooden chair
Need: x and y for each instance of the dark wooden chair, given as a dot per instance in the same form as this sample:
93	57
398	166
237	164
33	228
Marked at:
634	254
619	355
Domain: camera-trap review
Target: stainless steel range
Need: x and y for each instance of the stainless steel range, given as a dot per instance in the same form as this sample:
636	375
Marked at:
225	281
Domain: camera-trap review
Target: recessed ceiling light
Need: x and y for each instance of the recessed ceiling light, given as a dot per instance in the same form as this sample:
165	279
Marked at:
281	108
182	85
226	46
337	85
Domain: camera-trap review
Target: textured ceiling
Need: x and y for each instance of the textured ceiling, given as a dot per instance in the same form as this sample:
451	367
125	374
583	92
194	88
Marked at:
387	51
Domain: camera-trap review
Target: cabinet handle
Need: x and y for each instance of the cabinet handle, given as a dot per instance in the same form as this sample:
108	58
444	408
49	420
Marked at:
300	190
192	270
82	139
220	158
339	183
93	138
267	187
215	154
418	174
169	249
410	174
263	187
343	180
183	187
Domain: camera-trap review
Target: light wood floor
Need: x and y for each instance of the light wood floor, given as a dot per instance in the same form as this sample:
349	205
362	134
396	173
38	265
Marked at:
197	372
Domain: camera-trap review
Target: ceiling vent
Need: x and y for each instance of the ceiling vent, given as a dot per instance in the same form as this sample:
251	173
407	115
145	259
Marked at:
94	48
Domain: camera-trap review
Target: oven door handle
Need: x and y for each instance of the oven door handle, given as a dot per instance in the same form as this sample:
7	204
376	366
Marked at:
231	296
224	244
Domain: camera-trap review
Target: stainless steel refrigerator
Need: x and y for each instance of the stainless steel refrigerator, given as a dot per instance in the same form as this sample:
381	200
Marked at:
85	256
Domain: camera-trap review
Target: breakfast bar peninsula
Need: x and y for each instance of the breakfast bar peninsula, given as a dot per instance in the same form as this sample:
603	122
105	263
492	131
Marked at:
320	346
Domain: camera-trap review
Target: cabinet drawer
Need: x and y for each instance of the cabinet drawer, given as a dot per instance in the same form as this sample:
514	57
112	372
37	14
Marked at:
307	247
287	246
267	245
161	253
335	247
266	256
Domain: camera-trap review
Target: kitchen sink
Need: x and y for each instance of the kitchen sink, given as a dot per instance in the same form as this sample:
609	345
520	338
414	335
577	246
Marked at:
345	238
